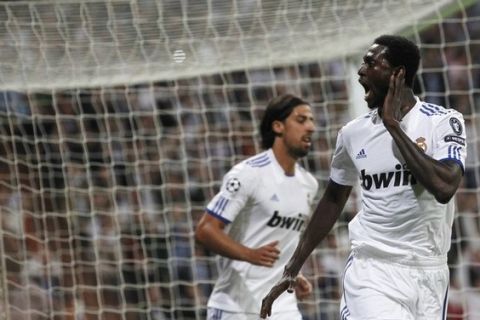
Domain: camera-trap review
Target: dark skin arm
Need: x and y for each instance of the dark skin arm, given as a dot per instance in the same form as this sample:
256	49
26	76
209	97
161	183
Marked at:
210	233
440	178
324	217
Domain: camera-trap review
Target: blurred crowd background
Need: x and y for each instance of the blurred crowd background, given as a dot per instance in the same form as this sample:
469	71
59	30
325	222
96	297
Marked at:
101	189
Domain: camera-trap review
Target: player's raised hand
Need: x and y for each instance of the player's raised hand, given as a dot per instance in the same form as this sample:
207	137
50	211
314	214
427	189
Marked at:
286	283
265	255
393	101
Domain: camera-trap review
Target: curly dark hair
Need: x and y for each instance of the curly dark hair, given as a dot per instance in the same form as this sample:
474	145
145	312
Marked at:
401	52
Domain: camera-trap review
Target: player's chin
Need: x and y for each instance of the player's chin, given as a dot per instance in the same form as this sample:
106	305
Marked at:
372	102
303	151
375	99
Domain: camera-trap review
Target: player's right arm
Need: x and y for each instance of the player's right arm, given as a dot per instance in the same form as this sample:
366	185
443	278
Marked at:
210	232
327	212
238	187
324	217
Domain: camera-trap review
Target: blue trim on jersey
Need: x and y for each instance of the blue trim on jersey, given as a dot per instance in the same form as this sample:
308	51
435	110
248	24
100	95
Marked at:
431	109
259	164
459	162
344	314
214	314
439	109
258	158
444	312
455	155
454	152
213	214
425	109
425	112
220	205
348	264
218	314
260	161
224	204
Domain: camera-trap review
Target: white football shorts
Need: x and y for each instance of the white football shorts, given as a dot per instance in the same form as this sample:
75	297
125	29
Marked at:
379	289
218	314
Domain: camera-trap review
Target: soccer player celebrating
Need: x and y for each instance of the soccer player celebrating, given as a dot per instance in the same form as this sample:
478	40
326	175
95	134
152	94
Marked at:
254	222
409	156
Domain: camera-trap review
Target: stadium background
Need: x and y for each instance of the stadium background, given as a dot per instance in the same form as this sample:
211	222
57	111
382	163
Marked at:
105	168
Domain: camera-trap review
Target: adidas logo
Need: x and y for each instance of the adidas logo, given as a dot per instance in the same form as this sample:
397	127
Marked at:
361	154
274	198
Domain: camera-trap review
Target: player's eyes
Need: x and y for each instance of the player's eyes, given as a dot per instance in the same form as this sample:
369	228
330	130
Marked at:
302	120
368	62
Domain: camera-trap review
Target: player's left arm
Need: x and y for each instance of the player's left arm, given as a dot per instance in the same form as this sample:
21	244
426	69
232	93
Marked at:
440	178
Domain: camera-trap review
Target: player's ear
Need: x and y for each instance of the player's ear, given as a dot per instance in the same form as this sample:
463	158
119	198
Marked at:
277	127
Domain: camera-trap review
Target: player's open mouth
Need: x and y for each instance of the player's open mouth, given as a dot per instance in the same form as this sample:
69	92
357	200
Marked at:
368	91
307	140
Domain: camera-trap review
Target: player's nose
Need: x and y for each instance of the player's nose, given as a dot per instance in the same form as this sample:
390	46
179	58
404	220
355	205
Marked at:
310	127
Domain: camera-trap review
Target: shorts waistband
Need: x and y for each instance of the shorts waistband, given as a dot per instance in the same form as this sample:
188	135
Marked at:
408	259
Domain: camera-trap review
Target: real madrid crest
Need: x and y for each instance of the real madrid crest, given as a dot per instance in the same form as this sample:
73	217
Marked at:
421	144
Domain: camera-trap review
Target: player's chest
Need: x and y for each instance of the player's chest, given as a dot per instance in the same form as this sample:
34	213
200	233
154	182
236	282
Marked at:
286	197
376	151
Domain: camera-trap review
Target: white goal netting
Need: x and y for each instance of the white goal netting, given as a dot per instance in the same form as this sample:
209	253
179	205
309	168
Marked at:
119	118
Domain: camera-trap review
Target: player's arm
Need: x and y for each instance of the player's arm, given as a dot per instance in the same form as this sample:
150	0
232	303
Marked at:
210	232
440	178
326	213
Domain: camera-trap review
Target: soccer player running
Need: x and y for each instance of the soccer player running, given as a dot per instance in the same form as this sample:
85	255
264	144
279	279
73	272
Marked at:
409	156
255	221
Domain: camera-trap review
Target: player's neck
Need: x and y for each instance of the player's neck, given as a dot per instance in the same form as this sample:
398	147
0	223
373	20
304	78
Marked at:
284	159
408	103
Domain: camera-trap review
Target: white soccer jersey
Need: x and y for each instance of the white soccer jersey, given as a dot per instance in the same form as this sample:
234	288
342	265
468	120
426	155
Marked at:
260	204
398	216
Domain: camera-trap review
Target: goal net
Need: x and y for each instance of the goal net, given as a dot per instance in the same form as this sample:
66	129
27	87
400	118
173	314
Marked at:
119	118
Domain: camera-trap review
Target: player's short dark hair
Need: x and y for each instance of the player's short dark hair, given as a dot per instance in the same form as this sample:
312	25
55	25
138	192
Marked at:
401	52
278	109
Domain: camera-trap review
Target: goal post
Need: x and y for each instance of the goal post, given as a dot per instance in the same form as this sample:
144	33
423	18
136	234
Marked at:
119	118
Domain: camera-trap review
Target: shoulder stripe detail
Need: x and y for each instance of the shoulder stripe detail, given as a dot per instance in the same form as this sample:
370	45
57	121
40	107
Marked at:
431	109
258	158
435	107
425	112
260	161
258	165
